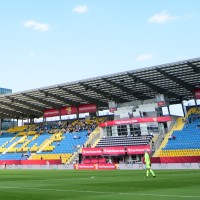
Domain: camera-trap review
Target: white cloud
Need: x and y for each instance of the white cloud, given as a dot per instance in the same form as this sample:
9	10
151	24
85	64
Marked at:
80	9
162	17
36	25
144	57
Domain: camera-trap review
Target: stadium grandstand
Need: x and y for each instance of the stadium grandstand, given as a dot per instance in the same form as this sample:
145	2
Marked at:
136	121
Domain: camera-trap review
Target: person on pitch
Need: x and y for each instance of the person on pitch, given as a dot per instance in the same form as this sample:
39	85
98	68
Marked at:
147	161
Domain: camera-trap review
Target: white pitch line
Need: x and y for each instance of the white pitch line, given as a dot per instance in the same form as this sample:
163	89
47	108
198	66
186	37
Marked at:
99	192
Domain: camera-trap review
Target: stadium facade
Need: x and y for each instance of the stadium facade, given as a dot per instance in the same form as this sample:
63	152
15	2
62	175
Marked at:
135	98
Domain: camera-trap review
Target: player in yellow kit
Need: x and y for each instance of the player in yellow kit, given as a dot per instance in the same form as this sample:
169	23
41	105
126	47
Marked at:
147	161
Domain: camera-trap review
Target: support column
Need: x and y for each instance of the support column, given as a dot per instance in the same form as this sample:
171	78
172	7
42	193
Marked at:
168	110
195	101
184	114
128	130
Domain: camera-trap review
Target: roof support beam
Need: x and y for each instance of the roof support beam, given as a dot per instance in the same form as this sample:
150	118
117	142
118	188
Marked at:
136	94
154	87
45	102
36	107
18	108
12	113
84	97
103	93
194	67
62	99
176	80
5	115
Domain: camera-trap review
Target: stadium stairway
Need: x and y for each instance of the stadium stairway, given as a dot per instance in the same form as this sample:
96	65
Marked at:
178	125
73	158
92	140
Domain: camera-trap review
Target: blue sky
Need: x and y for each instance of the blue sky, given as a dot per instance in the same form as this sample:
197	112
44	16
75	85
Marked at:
49	42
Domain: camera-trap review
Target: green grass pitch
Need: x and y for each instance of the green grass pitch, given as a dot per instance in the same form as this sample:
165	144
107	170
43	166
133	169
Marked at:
99	185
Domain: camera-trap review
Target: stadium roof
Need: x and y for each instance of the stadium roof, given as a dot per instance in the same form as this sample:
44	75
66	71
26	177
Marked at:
176	80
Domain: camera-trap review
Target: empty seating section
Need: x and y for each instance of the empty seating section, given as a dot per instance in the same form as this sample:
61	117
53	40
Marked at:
185	142
5	137
30	137
4	141
63	146
12	156
19	145
39	140
70	143
185	139
51	140
178	153
124	141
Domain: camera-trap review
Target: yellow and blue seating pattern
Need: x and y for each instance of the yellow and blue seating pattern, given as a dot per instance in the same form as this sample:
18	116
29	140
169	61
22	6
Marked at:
18	141
185	142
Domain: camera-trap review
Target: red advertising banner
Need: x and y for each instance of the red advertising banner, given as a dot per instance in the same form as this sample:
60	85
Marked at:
87	108
96	166
134	150
135	120
197	93
107	166
85	166
118	150
68	110
51	113
91	151
113	150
